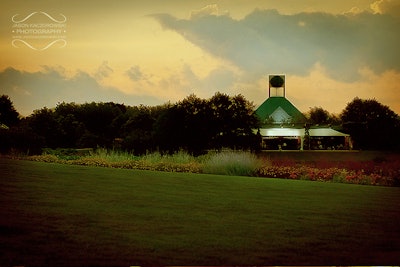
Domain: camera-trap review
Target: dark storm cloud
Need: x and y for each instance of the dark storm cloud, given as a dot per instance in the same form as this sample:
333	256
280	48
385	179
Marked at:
266	41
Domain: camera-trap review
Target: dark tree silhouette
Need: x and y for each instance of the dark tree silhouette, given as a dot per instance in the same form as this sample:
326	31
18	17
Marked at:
137	131
43	123
320	116
169	130
371	124
8	115
193	124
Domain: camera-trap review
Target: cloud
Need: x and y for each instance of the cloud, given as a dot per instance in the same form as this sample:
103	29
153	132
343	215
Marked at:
391	7
49	86
184	80
219	79
209	10
134	73
103	71
354	11
266	41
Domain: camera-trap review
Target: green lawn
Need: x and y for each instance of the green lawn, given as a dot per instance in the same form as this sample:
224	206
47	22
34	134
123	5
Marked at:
62	215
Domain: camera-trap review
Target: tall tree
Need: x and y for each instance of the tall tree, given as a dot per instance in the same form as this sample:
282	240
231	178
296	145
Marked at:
318	115
371	124
8	114
169	129
137	131
100	124
233	120
221	115
43	123
196	132
71	128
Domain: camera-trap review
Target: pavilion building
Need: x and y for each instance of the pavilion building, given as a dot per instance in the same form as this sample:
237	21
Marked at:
284	127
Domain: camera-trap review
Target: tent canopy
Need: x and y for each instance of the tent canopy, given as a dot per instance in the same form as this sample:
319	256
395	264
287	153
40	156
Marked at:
326	132
281	132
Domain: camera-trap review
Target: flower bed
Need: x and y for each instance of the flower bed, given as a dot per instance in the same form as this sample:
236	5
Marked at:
375	176
139	164
385	172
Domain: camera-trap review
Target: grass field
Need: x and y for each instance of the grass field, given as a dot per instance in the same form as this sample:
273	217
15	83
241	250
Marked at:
63	215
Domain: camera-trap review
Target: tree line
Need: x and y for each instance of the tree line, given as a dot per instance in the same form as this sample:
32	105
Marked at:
193	124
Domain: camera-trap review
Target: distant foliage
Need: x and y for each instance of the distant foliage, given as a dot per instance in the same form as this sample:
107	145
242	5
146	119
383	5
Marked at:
193	124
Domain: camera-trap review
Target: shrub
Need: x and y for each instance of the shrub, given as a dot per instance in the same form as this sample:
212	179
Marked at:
111	155
180	157
62	153
232	163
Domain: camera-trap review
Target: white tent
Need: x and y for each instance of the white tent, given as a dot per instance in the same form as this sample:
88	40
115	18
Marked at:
292	132
277	132
326	132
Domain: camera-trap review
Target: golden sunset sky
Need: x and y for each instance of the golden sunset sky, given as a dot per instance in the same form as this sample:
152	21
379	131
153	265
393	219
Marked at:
155	51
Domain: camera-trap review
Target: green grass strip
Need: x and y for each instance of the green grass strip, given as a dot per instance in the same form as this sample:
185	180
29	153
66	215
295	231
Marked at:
61	215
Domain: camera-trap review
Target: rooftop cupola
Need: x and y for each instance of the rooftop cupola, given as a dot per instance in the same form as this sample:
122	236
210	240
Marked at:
277	85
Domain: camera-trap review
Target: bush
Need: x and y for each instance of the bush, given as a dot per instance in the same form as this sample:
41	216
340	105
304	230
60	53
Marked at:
111	155
232	163
62	153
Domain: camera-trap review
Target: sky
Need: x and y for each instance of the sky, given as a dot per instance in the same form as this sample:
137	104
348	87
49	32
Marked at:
155	51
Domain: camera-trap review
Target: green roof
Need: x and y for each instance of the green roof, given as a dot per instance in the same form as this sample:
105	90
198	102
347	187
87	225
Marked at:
276	103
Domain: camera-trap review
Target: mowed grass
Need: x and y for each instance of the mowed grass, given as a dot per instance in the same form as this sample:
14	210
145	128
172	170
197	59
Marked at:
62	215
